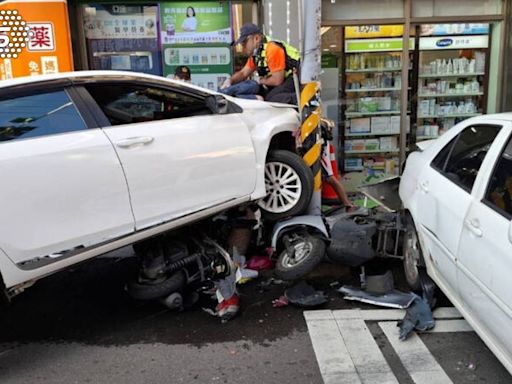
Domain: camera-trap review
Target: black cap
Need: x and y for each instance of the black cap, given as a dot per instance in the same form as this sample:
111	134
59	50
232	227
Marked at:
247	30
182	72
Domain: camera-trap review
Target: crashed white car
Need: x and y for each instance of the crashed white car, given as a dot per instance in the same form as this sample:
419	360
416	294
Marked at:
93	161
457	193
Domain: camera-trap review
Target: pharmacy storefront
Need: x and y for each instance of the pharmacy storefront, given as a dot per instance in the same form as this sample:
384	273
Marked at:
408	71
156	37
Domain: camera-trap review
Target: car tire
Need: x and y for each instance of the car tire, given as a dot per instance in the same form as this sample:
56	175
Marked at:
288	197
413	257
141	291
310	251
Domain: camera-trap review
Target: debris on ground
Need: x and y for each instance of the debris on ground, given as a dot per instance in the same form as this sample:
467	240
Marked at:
417	317
282	301
260	263
304	295
391	299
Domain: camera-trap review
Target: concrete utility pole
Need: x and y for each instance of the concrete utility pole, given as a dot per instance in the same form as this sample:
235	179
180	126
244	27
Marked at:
310	95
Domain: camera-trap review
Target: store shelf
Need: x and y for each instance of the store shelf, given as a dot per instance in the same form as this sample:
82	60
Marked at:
370	134
438	76
425	95
378	113
373	89
448	116
426	137
396	150
365	70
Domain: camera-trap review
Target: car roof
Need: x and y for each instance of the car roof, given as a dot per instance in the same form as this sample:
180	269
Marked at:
507	116
97	75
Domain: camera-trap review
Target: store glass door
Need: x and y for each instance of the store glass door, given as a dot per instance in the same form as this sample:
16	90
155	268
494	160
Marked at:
372	94
452	76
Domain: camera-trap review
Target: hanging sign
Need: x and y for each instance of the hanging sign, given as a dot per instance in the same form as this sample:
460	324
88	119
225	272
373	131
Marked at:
376	45
367	31
34	38
453	42
454	29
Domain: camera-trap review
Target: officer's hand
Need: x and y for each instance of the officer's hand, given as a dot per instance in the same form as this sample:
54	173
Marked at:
226	84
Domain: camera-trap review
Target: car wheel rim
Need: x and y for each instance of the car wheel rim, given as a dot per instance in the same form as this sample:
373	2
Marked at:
302	250
283	187
411	255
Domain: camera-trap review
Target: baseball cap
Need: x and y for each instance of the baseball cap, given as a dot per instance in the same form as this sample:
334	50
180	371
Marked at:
182	72
247	30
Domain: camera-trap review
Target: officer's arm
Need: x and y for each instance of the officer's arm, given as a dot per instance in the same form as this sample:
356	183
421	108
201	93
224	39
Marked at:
276	78
241	75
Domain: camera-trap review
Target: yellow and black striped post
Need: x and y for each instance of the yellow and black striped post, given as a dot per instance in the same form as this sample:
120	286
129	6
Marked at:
309	131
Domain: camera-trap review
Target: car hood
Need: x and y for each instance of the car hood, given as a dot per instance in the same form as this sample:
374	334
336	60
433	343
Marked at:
258	104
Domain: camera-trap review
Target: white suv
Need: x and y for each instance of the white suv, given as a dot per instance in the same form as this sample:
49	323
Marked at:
93	161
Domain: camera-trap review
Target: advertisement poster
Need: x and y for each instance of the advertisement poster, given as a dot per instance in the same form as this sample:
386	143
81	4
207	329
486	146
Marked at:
35	38
370	31
454	29
202	22
209	65
120	22
122	37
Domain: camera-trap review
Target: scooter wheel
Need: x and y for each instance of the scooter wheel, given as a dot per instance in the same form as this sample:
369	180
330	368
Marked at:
308	252
141	291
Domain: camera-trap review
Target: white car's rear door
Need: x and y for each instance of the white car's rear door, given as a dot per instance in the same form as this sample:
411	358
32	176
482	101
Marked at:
178	157
485	252
63	187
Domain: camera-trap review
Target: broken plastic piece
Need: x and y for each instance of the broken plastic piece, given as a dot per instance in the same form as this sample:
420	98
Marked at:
282	301
304	295
418	316
260	263
392	299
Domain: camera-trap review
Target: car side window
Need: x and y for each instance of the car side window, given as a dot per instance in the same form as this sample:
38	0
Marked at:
38	115
127	104
499	190
461	159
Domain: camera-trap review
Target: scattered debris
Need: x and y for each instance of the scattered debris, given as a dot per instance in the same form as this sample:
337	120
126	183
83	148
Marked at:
418	316
391	299
282	301
304	295
260	263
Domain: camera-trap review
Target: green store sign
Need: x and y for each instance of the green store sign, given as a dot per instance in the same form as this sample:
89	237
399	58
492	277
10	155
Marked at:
376	45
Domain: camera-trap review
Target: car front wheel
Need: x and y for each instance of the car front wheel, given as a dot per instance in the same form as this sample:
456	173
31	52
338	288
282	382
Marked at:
289	185
412	255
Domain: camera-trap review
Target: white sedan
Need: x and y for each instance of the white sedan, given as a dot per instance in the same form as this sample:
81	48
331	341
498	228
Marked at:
457	193
93	161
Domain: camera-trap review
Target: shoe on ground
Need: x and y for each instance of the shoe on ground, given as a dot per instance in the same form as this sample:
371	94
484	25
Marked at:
228	308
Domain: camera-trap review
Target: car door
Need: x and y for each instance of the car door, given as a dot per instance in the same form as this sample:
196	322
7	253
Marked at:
63	188
485	252
179	157
445	194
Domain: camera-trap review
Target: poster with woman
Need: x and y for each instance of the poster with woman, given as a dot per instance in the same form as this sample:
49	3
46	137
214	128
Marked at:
195	22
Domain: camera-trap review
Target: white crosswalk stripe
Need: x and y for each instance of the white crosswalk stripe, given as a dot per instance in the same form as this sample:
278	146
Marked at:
347	352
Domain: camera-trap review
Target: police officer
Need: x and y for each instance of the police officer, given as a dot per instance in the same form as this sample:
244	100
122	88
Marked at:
274	62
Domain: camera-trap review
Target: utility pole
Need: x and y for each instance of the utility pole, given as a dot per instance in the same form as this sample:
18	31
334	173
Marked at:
310	95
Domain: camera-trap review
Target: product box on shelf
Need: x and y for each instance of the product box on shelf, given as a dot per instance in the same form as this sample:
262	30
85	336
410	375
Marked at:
384	103
354	145
371	144
395	124
353	164
380	124
361	125
388	143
